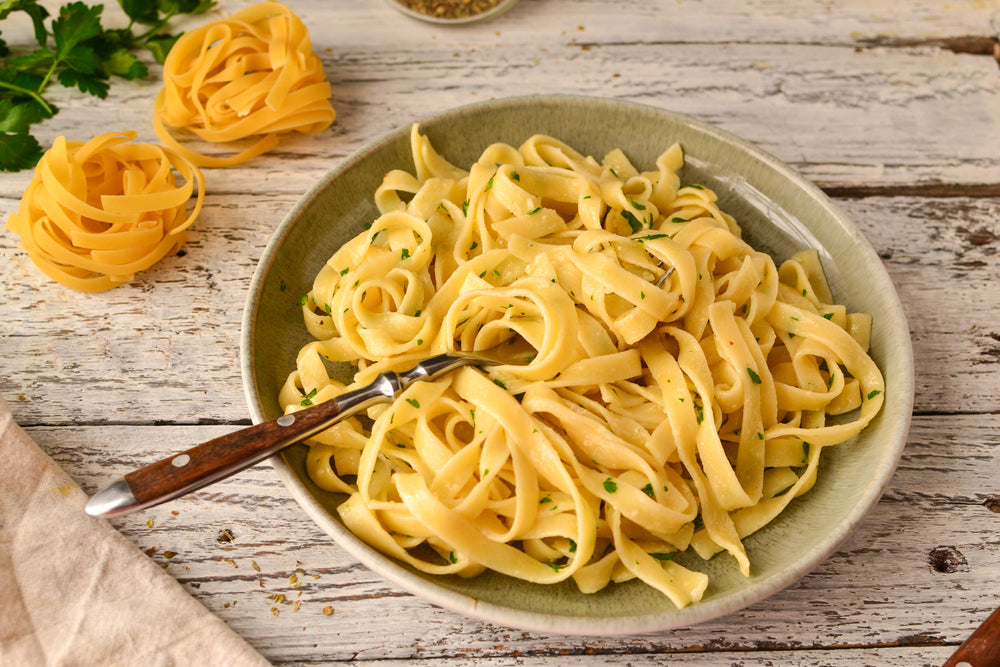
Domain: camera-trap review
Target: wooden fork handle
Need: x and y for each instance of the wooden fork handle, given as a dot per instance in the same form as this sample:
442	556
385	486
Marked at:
982	648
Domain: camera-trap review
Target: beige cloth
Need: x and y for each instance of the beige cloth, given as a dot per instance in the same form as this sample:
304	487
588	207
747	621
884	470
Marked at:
74	591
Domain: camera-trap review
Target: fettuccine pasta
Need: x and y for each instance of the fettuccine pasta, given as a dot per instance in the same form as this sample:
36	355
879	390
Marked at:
97	213
678	390
252	75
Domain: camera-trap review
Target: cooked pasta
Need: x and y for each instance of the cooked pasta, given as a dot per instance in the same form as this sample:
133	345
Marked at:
252	75
97	213
675	388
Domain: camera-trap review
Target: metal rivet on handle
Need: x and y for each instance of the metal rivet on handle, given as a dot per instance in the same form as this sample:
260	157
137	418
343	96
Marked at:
286	420
181	461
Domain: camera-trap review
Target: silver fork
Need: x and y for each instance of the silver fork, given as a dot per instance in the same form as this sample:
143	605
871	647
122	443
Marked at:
227	455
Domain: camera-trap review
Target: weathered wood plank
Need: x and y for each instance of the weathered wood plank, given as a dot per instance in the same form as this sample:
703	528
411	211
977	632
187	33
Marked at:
167	347
930	545
882	103
828	98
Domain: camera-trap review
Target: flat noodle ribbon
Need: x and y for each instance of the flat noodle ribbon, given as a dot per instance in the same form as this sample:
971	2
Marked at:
676	393
253	74
97	213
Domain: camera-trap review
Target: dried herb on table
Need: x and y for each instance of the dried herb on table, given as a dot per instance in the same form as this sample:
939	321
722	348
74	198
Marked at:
75	50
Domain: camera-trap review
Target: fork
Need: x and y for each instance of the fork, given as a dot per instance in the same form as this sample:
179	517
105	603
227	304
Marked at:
221	457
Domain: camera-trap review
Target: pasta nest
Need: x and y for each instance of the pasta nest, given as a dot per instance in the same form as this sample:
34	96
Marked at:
97	213
253	74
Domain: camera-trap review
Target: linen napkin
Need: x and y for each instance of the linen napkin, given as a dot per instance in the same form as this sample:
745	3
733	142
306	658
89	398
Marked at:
74	591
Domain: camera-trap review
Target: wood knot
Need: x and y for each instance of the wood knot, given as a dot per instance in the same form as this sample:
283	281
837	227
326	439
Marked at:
992	504
947	560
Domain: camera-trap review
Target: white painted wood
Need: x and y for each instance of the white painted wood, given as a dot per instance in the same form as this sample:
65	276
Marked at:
881	589
856	95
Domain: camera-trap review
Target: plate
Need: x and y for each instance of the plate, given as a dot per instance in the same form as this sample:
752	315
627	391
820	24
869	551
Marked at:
780	212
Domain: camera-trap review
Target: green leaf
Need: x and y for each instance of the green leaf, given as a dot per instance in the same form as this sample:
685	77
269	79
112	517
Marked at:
141	11
37	13
633	222
18	118
76	23
83	59
124	64
160	46
91	84
38	60
19	151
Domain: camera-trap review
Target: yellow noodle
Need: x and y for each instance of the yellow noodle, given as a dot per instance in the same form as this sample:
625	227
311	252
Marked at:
96	213
252	75
677	394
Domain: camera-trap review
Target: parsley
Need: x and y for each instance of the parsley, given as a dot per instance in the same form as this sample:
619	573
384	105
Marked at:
307	399
753	375
634	224
610	485
414	402
662	556
873	393
77	52
648	490
652	237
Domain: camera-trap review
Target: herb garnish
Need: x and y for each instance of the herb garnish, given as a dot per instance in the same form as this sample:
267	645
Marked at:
75	50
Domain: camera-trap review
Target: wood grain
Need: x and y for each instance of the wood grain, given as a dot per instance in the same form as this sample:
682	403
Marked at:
865	595
892	108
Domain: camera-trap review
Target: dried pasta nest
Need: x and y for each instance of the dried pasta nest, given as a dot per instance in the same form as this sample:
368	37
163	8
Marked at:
97	213
252	75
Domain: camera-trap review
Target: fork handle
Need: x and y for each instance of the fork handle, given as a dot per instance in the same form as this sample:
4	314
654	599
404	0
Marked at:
227	455
982	648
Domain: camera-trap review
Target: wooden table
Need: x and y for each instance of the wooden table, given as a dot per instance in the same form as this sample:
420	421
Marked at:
892	108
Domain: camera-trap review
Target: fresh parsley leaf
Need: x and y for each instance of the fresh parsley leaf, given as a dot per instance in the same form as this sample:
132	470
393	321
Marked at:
160	46
17	150
75	51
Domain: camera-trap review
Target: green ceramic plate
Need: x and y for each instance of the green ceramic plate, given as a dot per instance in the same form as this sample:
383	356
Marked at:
780	213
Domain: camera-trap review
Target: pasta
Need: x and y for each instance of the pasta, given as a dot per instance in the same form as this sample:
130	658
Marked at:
253	74
670	388
96	213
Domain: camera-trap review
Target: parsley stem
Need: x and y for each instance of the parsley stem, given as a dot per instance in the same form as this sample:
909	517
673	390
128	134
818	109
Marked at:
144	37
30	93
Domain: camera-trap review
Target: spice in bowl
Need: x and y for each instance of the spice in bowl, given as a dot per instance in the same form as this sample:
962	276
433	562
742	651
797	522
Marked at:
452	11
